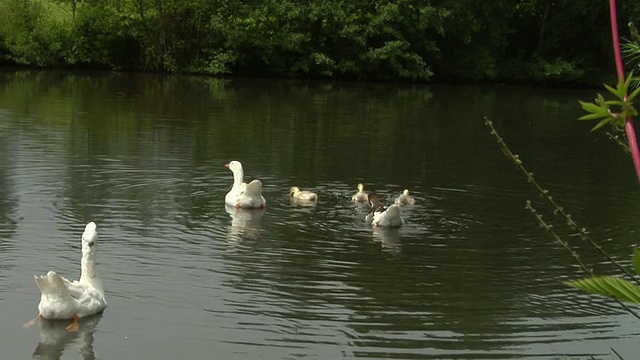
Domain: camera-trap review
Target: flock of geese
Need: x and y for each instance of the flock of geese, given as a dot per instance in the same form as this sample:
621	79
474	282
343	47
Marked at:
249	196
62	299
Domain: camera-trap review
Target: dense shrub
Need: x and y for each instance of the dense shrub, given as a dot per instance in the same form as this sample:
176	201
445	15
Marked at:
416	40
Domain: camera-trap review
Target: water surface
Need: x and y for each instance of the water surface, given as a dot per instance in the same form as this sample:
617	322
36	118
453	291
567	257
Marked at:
471	275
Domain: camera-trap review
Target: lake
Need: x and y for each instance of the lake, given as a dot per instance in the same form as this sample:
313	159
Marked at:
470	275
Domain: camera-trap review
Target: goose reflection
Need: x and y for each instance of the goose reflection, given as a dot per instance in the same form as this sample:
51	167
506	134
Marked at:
303	202
245	223
54	338
389	238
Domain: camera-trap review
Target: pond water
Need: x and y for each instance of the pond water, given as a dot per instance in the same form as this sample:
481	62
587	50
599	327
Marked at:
470	275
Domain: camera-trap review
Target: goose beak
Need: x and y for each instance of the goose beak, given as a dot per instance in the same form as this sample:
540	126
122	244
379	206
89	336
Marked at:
226	165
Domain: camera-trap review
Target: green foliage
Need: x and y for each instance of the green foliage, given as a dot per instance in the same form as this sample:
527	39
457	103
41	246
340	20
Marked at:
631	47
631	53
329	38
614	112
610	286
530	40
30	36
556	70
472	39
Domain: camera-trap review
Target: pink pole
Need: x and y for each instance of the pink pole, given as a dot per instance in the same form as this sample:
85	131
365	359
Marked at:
616	39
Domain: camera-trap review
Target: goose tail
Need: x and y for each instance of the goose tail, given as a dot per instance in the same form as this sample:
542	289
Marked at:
51	284
253	188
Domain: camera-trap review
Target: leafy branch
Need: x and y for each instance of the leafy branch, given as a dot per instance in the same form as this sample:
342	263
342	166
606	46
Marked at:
610	286
625	117
619	114
622	121
614	112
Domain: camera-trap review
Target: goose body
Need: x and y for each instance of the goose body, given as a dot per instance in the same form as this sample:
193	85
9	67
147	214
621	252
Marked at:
361	195
379	215
62	299
303	195
243	195
405	198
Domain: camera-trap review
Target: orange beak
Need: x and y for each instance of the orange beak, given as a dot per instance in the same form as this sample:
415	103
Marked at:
226	165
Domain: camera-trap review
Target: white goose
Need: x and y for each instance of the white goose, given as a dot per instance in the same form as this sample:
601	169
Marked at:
360	196
303	195
62	299
405	198
381	216
243	195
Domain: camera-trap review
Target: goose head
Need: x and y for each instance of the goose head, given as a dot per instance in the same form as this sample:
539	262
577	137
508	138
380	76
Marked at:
360	187
234	166
89	238
405	192
238	172
294	190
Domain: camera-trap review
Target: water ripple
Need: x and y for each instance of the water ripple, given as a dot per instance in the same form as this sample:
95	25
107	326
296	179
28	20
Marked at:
470	275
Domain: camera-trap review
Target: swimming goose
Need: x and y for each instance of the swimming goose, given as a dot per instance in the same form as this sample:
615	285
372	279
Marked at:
243	195
62	299
405	198
304	195
360	196
379	215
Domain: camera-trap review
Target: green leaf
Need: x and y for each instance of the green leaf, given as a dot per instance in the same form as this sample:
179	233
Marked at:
609	286
602	102
628	82
633	94
602	123
593	108
591	117
614	102
636	259
611	90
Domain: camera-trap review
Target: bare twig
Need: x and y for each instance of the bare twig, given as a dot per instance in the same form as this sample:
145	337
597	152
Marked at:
616	139
617	354
575	255
558	210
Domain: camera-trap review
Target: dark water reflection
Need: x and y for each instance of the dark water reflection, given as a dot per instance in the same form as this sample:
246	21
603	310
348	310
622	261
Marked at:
469	276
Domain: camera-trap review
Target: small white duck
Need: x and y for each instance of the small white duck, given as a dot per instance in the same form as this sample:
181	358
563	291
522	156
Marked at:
62	299
361	195
243	195
381	216
303	195
405	198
